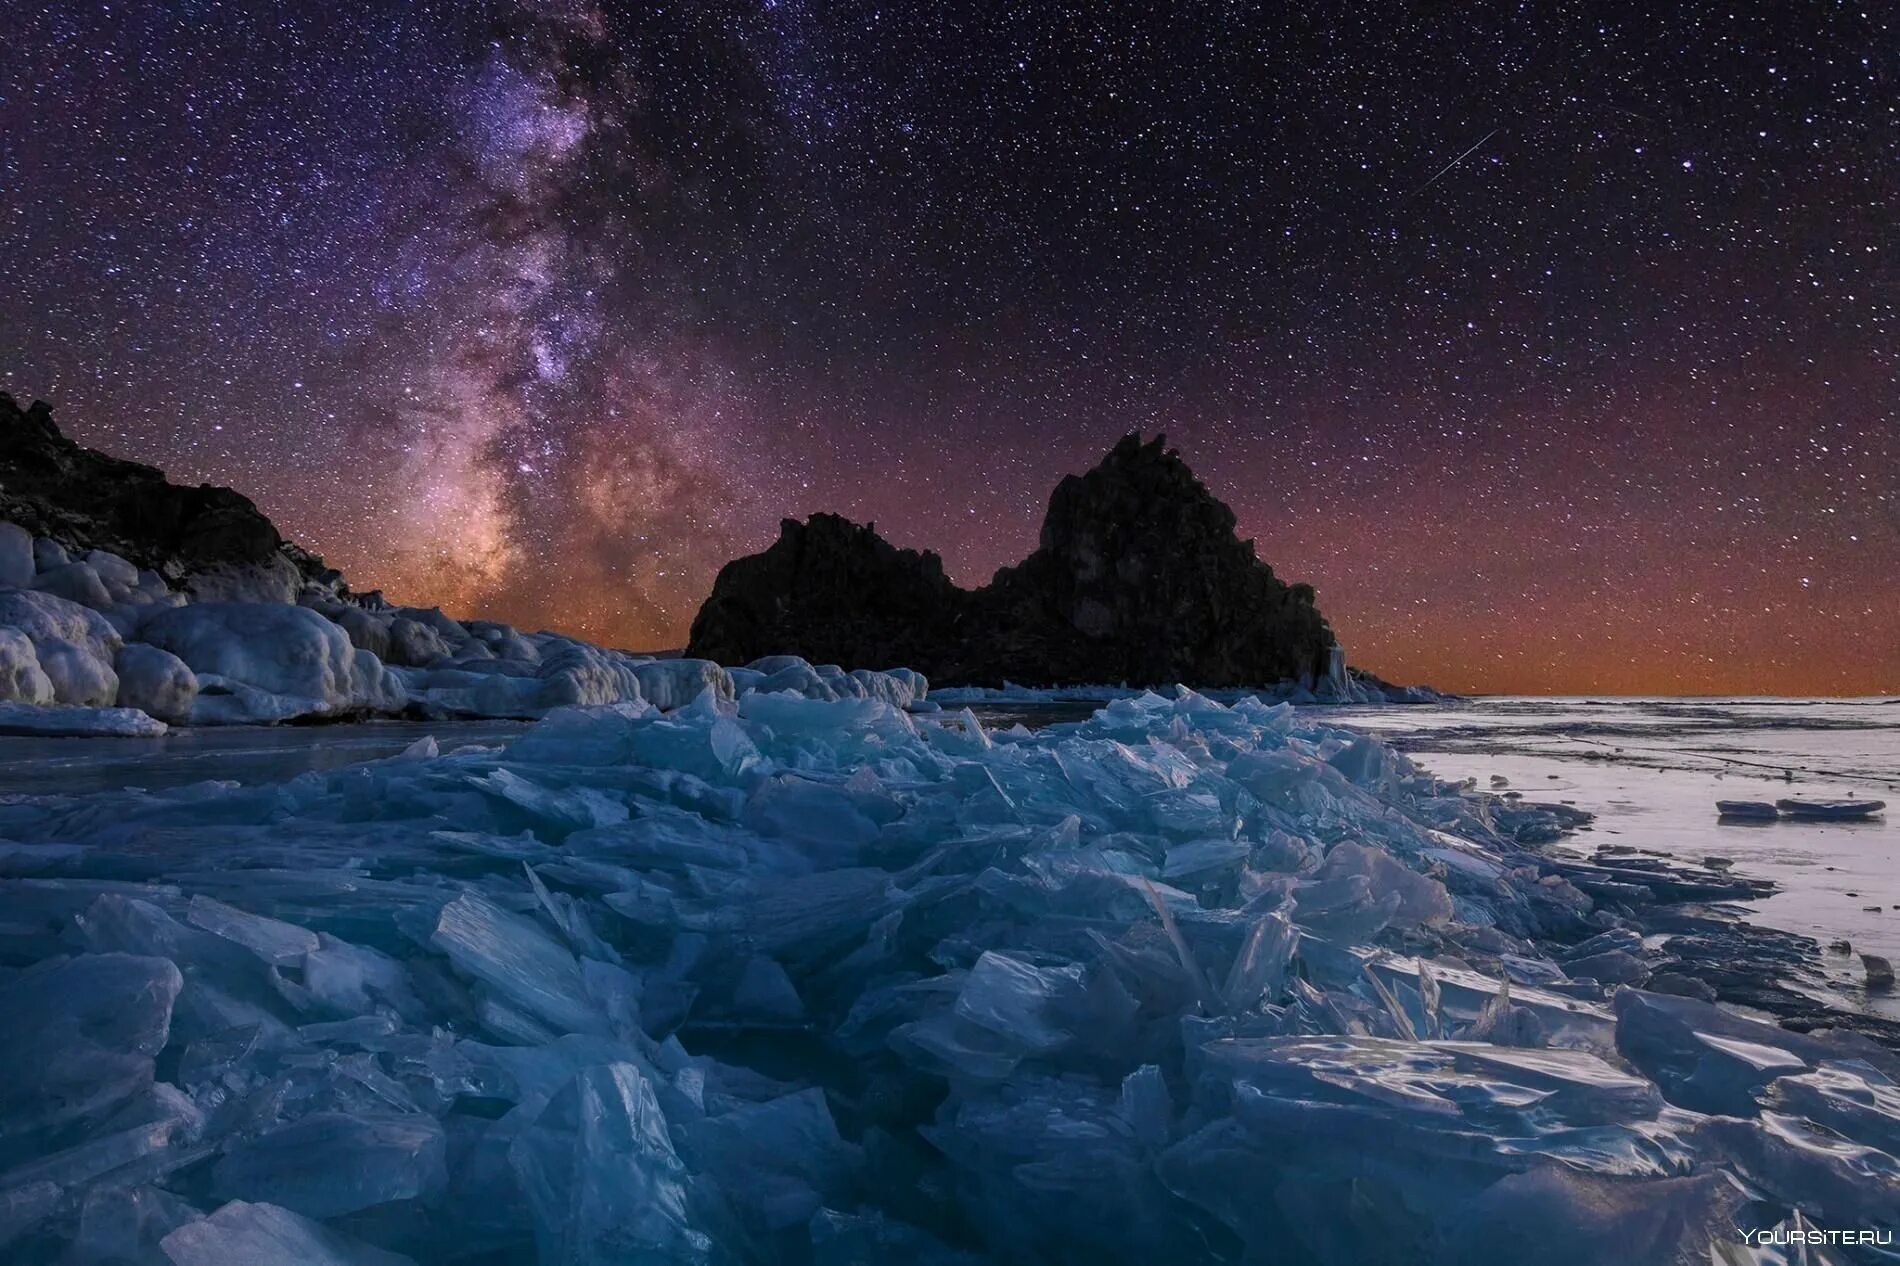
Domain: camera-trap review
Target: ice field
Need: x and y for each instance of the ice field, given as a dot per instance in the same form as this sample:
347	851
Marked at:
789	980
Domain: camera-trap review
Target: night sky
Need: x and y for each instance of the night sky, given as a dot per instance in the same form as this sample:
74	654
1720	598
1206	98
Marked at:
1556	344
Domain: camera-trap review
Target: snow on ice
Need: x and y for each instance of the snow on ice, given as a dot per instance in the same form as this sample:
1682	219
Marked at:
807	978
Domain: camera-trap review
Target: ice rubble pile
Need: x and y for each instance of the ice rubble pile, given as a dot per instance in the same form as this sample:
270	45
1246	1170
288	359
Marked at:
92	644
792	981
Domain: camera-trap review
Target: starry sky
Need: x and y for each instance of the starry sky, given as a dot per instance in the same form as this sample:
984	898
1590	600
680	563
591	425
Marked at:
1556	343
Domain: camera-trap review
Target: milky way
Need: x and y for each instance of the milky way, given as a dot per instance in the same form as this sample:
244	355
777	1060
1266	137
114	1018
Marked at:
1555	344
564	446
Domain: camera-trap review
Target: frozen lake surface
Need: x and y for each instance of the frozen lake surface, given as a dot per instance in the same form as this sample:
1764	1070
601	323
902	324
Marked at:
1651	771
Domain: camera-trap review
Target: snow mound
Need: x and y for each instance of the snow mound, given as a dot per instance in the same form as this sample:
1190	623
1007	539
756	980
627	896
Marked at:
265	662
72	644
787	980
75	582
155	681
22	680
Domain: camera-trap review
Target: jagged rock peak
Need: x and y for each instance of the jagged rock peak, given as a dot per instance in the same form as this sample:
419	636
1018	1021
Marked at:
1138	577
812	587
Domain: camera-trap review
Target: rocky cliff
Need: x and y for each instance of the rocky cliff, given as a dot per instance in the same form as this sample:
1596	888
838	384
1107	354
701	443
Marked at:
837	588
204	537
1139	577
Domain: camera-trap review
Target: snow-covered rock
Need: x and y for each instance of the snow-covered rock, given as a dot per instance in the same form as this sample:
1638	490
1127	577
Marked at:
797	678
473	651
79	671
73	644
210	663
48	554
769	664
575	673
674	683
155	681
151	587
367	630
899	687
374	688
414	644
22	680
261	663
445	626
505	641
118	575
16	556
75	582
128	615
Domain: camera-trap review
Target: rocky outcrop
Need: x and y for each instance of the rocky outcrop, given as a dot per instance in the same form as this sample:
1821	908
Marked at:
1138	578
833	592
209	539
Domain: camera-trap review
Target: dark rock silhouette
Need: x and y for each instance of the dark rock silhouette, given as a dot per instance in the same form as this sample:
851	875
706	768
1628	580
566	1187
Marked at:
1139	578
837	589
55	487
